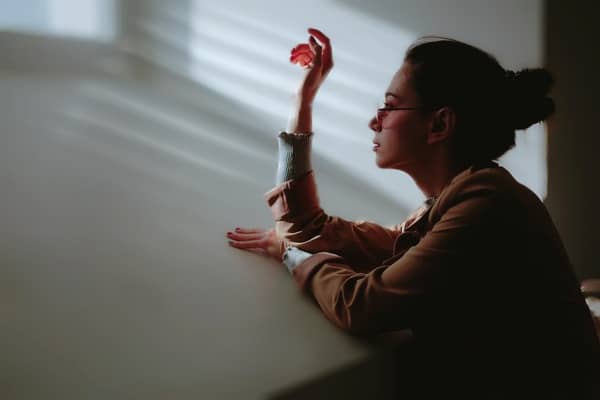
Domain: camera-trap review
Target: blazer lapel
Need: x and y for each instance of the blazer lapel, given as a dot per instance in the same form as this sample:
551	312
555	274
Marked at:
412	230
417	215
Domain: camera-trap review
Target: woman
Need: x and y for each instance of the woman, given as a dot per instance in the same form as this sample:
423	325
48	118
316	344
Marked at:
478	273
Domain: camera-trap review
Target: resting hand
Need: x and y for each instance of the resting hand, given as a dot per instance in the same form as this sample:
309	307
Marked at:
316	57
264	241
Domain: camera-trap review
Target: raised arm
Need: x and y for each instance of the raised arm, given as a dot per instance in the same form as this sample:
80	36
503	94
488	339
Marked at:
317	59
299	220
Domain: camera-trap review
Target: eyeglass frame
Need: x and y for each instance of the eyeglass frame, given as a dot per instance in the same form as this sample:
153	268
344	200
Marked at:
384	109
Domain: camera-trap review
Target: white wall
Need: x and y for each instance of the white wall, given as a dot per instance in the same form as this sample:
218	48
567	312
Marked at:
240	49
90	19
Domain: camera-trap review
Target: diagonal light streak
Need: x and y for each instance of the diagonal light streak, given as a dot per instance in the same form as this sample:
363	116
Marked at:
179	154
177	121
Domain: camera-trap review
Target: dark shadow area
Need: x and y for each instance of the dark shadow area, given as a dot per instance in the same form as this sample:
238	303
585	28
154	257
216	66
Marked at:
391	367
573	136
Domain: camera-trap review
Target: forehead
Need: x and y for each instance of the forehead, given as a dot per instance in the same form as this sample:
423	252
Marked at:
400	86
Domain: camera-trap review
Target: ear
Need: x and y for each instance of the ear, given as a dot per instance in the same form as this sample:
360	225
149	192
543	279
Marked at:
442	125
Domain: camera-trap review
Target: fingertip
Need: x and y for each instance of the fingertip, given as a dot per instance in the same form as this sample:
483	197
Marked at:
319	35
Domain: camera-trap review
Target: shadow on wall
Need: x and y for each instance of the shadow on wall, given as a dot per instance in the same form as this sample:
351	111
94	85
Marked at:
240	58
130	106
243	56
243	60
240	53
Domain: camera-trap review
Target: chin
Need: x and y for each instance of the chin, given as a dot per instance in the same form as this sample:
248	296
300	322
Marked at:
382	165
381	162
388	164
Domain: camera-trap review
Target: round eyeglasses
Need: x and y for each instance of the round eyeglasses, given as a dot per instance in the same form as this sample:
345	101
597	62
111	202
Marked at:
382	111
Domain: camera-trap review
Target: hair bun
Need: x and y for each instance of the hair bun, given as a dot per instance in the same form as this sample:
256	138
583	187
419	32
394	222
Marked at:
528	91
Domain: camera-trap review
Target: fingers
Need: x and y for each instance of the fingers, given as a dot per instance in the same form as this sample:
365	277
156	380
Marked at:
249	230
327	54
247	238
316	48
248	244
320	36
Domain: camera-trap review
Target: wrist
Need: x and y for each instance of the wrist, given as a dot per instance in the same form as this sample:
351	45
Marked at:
293	256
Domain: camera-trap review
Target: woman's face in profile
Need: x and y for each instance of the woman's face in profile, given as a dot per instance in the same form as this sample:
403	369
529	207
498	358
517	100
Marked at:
401	134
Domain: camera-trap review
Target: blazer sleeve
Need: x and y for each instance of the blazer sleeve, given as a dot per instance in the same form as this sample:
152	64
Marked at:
302	223
393	297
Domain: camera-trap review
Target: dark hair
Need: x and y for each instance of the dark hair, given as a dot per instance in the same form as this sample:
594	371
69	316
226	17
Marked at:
490	102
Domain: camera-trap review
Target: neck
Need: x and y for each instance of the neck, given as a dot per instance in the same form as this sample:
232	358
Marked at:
435	174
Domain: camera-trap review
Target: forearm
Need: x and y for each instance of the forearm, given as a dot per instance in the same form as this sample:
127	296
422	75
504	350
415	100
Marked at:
301	116
301	223
295	144
362	304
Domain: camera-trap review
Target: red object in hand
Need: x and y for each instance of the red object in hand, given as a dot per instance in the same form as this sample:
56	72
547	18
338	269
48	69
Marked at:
302	54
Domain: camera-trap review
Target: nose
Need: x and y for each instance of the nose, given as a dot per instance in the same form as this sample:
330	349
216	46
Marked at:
375	125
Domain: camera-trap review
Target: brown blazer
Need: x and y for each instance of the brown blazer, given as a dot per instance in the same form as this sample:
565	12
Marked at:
482	277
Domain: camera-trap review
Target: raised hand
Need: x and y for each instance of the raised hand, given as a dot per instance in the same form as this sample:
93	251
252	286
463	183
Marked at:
317	58
264	241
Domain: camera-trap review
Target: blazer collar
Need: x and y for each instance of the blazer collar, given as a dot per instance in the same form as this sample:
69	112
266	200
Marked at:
457	179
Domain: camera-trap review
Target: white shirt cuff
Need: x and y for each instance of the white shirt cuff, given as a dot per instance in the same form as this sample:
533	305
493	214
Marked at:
293	256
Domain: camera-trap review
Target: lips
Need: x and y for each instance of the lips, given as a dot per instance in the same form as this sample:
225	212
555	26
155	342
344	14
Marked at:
375	145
